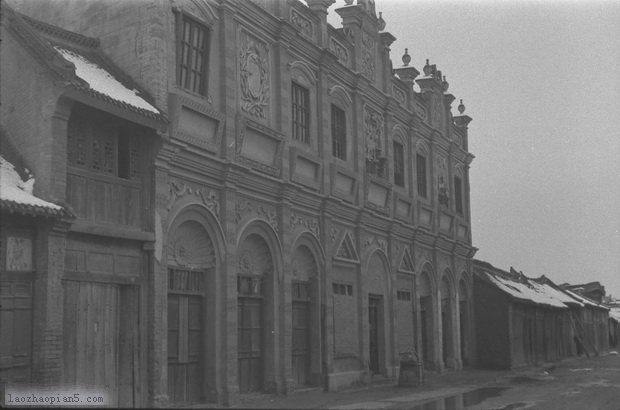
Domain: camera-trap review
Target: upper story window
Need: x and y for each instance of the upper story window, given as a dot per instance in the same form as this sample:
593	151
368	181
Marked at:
421	175
109	151
339	133
458	195
192	55
300	113
399	164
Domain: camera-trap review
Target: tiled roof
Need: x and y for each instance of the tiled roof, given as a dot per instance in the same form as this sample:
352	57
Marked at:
16	194
520	287
71	55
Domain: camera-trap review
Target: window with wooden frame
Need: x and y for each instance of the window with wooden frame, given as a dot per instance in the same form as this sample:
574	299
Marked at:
399	164
110	150
458	195
192	54
339	133
421	175
300	102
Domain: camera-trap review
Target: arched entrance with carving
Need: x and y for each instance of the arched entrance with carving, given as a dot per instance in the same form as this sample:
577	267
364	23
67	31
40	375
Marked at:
256	318
377	284
426	349
192	261
447	333
464	321
306	317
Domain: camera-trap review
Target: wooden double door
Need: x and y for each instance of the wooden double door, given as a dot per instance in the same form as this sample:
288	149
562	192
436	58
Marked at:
186	358
100	344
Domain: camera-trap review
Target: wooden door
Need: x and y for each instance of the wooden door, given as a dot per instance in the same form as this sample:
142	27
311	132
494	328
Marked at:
185	335
301	333
373	328
184	348
16	330
91	337
250	344
424	331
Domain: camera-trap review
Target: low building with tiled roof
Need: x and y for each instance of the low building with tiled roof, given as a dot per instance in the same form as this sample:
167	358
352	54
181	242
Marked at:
521	320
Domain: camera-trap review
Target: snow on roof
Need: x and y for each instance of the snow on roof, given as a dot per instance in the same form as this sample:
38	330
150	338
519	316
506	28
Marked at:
101	81
614	313
14	189
583	299
542	294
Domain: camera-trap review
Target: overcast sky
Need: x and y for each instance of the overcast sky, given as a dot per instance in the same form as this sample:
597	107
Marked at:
541	81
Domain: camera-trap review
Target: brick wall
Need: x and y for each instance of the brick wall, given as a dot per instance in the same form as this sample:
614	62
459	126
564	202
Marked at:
29	100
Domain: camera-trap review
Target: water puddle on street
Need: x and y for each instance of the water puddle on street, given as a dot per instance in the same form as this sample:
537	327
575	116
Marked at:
462	400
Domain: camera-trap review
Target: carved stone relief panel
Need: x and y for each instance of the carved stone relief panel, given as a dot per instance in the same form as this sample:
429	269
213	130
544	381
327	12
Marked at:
208	197
254	72
369	53
374	241
441	172
436	110
305	25
247	209
374	136
190	246
399	95
340	50
304	222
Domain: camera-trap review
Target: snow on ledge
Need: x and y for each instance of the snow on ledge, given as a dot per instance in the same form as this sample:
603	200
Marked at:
103	82
14	189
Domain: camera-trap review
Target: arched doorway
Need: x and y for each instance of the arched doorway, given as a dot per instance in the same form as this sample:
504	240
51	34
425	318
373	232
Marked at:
377	284
191	260
305	323
426	350
447	334
254	301
464	321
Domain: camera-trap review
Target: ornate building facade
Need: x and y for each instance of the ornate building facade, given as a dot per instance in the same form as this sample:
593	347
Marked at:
310	205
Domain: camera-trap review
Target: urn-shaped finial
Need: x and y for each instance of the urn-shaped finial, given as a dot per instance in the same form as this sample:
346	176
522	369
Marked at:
406	57
445	84
380	22
461	107
427	68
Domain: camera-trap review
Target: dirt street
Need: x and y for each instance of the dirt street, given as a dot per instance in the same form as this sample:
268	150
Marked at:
578	384
573	384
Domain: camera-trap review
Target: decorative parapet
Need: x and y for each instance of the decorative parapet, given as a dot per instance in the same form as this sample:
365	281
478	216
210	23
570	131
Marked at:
340	50
305	26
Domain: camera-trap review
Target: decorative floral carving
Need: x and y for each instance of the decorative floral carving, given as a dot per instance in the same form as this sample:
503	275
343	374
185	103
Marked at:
373	131
304	25
399	95
269	213
209	198
332	235
254	72
368	55
372	240
436	111
442	181
243	207
312	224
340	50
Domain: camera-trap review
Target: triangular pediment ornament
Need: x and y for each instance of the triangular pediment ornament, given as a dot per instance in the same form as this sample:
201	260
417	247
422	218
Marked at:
406	264
346	249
